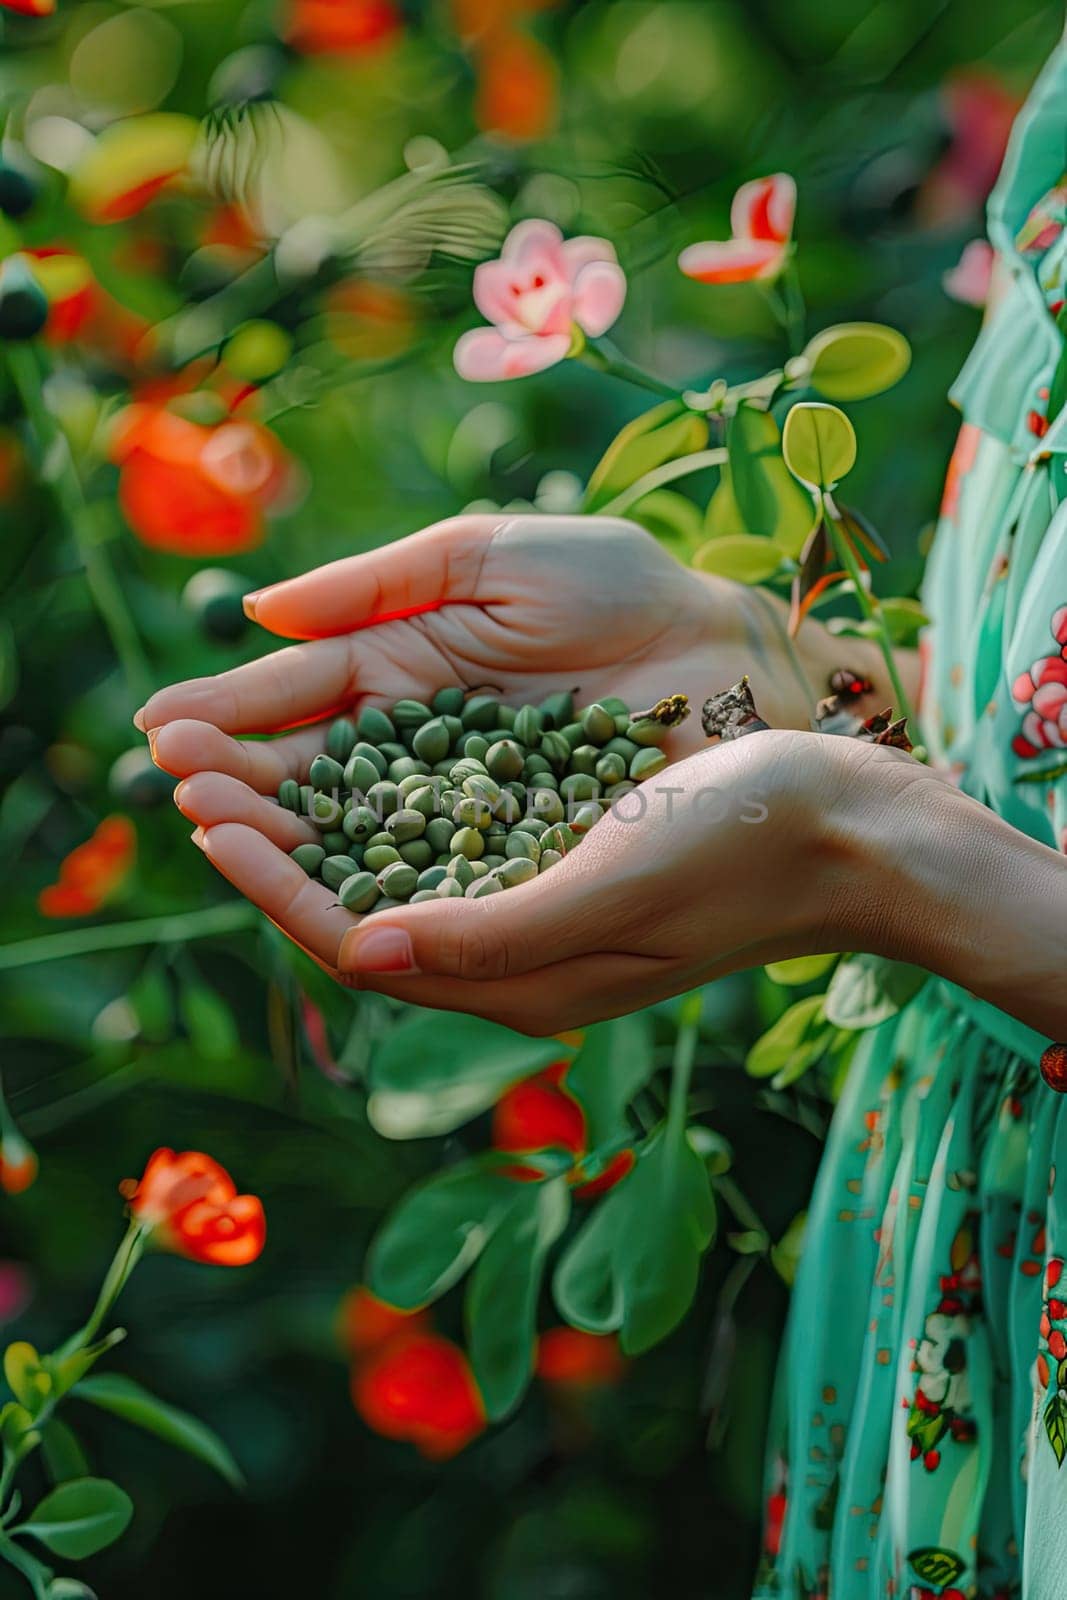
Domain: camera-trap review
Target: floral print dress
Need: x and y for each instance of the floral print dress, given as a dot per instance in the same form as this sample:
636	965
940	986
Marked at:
919	1444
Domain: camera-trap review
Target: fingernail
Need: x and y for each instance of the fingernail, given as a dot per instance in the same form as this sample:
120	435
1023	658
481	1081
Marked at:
152	734
378	950
139	720
249	603
197	836
177	796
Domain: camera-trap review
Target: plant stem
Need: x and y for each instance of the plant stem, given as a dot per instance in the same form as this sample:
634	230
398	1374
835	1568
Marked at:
872	611
604	358
685	1049
171	929
123	1262
681	468
58	469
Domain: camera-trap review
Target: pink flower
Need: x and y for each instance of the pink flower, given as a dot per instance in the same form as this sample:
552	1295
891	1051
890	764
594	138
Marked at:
542	289
968	281
761	217
1044	687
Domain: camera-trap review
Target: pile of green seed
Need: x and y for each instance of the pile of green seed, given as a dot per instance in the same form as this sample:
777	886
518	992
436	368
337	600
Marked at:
464	796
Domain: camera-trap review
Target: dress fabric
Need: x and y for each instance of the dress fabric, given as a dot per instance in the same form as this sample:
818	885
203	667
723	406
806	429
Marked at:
919	1435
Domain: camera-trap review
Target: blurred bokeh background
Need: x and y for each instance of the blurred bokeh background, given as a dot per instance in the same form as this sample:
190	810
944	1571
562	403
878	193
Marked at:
189	175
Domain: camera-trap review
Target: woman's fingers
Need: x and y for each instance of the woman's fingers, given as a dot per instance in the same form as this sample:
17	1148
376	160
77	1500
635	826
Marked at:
184	747
441	564
208	798
306	910
278	691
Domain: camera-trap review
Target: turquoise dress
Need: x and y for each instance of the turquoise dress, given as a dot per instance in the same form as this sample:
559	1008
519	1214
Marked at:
920	1433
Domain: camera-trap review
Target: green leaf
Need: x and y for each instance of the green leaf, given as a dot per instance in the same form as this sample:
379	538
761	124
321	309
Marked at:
70	1589
504	1288
80	1517
785	1255
793	1043
1055	1419
904	618
126	1399
723	515
854	360
819	444
660	435
436	1232
615	1060
771	502
395	1115
634	1266
866	990
433	1051
933	1565
208	1021
62	1452
27	1378
672	517
799	970
741	556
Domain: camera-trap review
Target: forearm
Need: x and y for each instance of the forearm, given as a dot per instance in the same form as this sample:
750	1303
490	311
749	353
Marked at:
940	880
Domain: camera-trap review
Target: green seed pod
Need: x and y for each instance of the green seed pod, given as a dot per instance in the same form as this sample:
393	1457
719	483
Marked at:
491	862
647	731
431	741
480	786
407	767
529	725
549	858
383	798
361	775
466	767
442	858
508	809
335	843
534	826
646	764
585	758
430	877
505	716
557	709
519	870
611	768
420	780
441	769
448	702
405	825
483	886
578	786
522	844
336	869
479	713
360	824
473	813
425	800
560	837
585	817
373	725
451	888
327	774
621	747
547	805
617	707
574	734
534	765
359	892
422	894
410	714
398	880
598	724
386	903
417	853
504	760
475	745
307	795
383	836
619	789
461	869
439	831
340	739
454	728
309	857
555	748
392	750
376	857
326	812
371	753
622	722
467	842
289	795
495	839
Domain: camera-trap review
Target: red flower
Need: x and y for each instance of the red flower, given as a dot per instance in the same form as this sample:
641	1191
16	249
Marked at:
192	1206
367	1323
420	1387
518	89
92	872
343	27
761	219
29	8
571	1357
538	1114
18	1163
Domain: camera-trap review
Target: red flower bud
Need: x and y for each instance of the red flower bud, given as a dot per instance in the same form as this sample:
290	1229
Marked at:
420	1387
192	1207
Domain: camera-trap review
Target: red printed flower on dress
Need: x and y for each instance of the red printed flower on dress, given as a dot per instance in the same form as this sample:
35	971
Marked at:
761	218
191	1207
1052	1359
1044	688
942	1401
542	296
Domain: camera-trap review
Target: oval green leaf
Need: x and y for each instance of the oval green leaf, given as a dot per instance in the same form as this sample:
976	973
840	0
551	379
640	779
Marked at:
80	1517
742	556
436	1232
800	1034
819	444
769	499
854	360
799	970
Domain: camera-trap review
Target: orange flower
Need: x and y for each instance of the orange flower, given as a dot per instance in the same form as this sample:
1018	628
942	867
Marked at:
343	27
192	1207
367	1323
29	8
92	872
18	1163
197	490
518	89
568	1356
420	1387
761	222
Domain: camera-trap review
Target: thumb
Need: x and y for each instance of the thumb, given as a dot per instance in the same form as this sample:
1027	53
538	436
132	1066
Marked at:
484	940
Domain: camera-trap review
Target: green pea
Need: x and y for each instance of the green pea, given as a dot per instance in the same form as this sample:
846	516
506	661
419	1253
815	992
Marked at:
359	892
326	773
479	712
431	877
534	765
417	853
454	728
377	857
509	808
585	758
495	841
647	731
450	888
617	707
621	747
504	760
610	769
483	886
289	795
480	786
529	725
405	825
407	767
598	724
373	725
622	722
383	836
512	873
646	764
617	790
549	858
475	745
335	869
422	894
547	805
558	837
574	734
467	842
371	753
554	748
491	862
557	709
383	797
439	831
466	767
386	903
361	775
410	713
534	826
325	812
308	856
340	739
448	702
360	824
307	794
398	880
335	843
461	869
426	800
479	869
585	817
579	786
392	750
473	813
431	741
522	844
